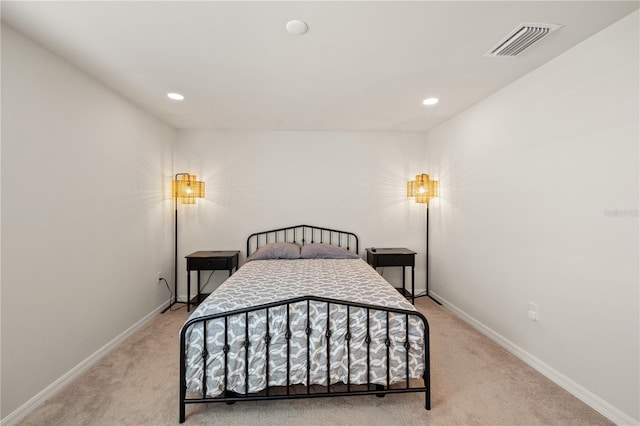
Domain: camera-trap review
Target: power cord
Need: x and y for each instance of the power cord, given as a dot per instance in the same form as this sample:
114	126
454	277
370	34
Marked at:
207	281
171	297
171	293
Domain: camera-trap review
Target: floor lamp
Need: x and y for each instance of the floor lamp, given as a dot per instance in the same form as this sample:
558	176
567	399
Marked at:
184	189
423	189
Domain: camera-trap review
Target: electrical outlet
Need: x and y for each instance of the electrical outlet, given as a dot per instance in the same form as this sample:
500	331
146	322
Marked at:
532	313
158	276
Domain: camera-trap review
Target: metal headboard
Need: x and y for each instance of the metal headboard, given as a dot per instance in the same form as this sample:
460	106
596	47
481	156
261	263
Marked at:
303	234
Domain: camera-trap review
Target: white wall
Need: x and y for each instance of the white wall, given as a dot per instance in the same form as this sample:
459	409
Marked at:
539	203
263	180
84	223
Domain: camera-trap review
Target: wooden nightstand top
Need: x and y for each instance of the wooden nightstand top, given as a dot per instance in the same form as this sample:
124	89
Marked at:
390	251
212	254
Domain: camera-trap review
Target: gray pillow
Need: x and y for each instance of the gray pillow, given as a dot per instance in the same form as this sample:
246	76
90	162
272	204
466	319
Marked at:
276	251
325	251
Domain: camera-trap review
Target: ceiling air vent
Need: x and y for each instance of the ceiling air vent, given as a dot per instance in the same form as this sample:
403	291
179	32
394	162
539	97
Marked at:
522	37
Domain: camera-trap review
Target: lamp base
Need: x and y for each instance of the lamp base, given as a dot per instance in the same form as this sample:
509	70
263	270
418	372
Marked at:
170	305
431	297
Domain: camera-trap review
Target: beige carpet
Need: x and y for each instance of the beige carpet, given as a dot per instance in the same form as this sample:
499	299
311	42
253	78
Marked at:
474	381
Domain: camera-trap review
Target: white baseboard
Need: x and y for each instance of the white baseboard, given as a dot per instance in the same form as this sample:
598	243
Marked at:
28	407
583	394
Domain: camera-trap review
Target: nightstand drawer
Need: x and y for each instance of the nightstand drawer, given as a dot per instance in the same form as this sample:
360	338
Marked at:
396	260
208	264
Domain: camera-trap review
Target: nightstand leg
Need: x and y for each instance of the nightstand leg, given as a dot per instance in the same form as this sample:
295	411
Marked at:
404	282
413	288
188	290
198	295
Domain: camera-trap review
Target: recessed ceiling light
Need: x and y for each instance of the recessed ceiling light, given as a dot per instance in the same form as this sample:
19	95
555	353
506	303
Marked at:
175	96
297	27
430	101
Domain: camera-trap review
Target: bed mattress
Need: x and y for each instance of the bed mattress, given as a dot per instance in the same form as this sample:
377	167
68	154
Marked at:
266	281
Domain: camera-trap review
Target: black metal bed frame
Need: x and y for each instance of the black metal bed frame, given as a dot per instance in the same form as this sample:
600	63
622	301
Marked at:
309	390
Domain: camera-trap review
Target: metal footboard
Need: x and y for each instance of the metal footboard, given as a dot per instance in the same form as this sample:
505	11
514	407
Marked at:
307	390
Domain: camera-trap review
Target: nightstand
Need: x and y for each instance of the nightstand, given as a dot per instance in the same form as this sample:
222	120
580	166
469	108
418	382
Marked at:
401	257
208	261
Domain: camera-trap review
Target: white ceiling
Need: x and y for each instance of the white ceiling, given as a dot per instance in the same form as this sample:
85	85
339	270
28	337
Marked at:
363	66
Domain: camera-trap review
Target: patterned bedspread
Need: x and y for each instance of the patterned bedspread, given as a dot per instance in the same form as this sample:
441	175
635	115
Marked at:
265	281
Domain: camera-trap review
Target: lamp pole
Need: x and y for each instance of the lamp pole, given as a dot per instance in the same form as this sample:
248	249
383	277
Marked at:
175	242
427	259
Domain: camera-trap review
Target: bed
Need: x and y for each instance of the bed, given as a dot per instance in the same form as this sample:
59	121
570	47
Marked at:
304	317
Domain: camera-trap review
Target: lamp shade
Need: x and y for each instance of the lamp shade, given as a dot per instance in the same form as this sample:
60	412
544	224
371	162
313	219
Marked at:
187	188
434	188
411	188
423	189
